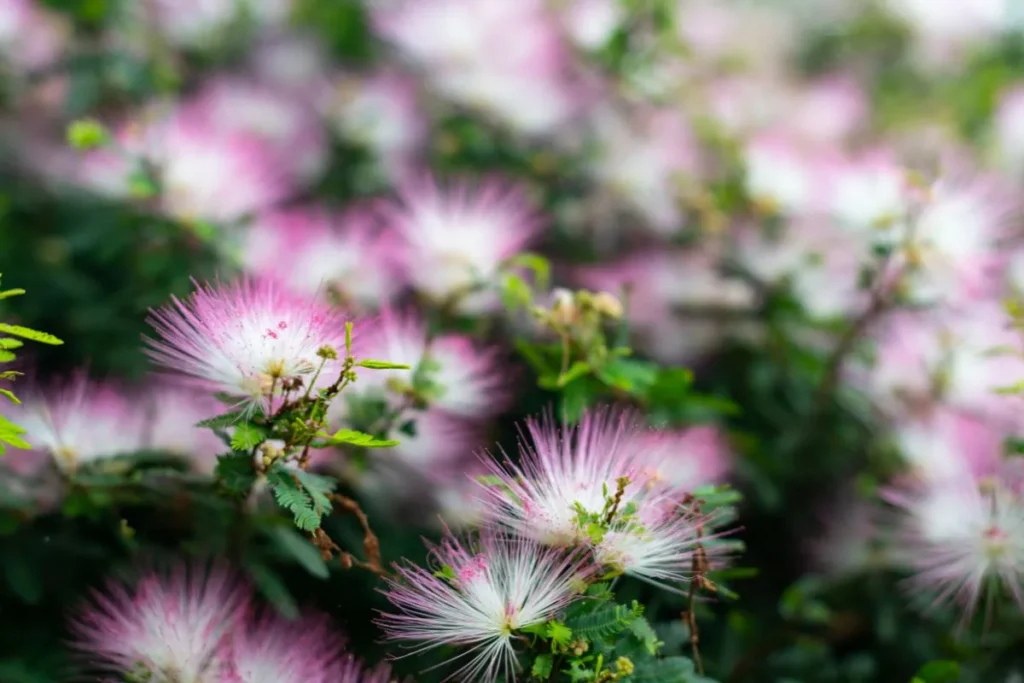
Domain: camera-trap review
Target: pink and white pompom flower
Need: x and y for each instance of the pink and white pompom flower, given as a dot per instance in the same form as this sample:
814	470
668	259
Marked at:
454	237
82	421
594	473
960	539
466	378
485	590
171	626
271	649
248	340
688	459
314	252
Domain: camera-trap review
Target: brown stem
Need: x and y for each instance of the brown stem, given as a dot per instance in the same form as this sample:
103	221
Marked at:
371	544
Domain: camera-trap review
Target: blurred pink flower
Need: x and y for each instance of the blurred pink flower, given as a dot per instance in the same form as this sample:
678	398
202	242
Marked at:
383	112
1008	129
866	191
80	421
312	251
31	37
946	31
957	538
590	23
455	236
947	445
781	175
202	23
272	649
506	59
679	303
645	160
164	624
202	171
685	460
172	413
286	123
829	110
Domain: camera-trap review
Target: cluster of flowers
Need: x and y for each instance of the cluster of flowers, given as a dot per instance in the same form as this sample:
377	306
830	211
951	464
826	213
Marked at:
201	623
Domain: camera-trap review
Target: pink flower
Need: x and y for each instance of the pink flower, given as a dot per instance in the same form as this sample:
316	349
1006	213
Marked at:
455	237
947	445
679	303
867	191
172	413
203	172
961	357
945	31
955	537
270	649
200	23
844	542
829	110
591	23
688	459
354	671
1008	125
465	378
81	421
596	470
506	59
314	252
30	36
645	160
487	589
781	176
247	339
284	123
170	626
382	111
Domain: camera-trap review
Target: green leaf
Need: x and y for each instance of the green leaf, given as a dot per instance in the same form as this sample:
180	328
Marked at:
8	343
353	438
540	266
8	293
667	670
941	671
273	589
628	374
382	365
10	396
534	355
6	356
221	421
558	633
577	370
28	333
247	436
302	493
515	293
236	473
299	548
577	397
542	666
23	579
10	434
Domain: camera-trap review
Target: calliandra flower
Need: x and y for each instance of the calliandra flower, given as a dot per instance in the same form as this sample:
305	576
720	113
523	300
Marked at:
462	377
867	191
486	589
204	172
315	252
271	649
382	111
957	538
247	339
455	236
172	413
289	126
80	421
565	472
353	670
781	176
687	459
30	36
944	444
172	626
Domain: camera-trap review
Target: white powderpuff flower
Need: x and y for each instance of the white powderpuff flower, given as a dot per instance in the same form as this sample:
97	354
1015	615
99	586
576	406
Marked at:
313	251
485	590
248	340
867	191
957	537
170	626
780	176
455	237
82	421
574	479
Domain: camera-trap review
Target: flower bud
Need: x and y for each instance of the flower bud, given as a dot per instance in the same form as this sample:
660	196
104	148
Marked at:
608	305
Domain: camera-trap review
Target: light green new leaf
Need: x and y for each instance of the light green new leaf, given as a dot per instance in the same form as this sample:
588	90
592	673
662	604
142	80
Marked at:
8	293
29	333
382	365
8	343
246	437
353	438
10	396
